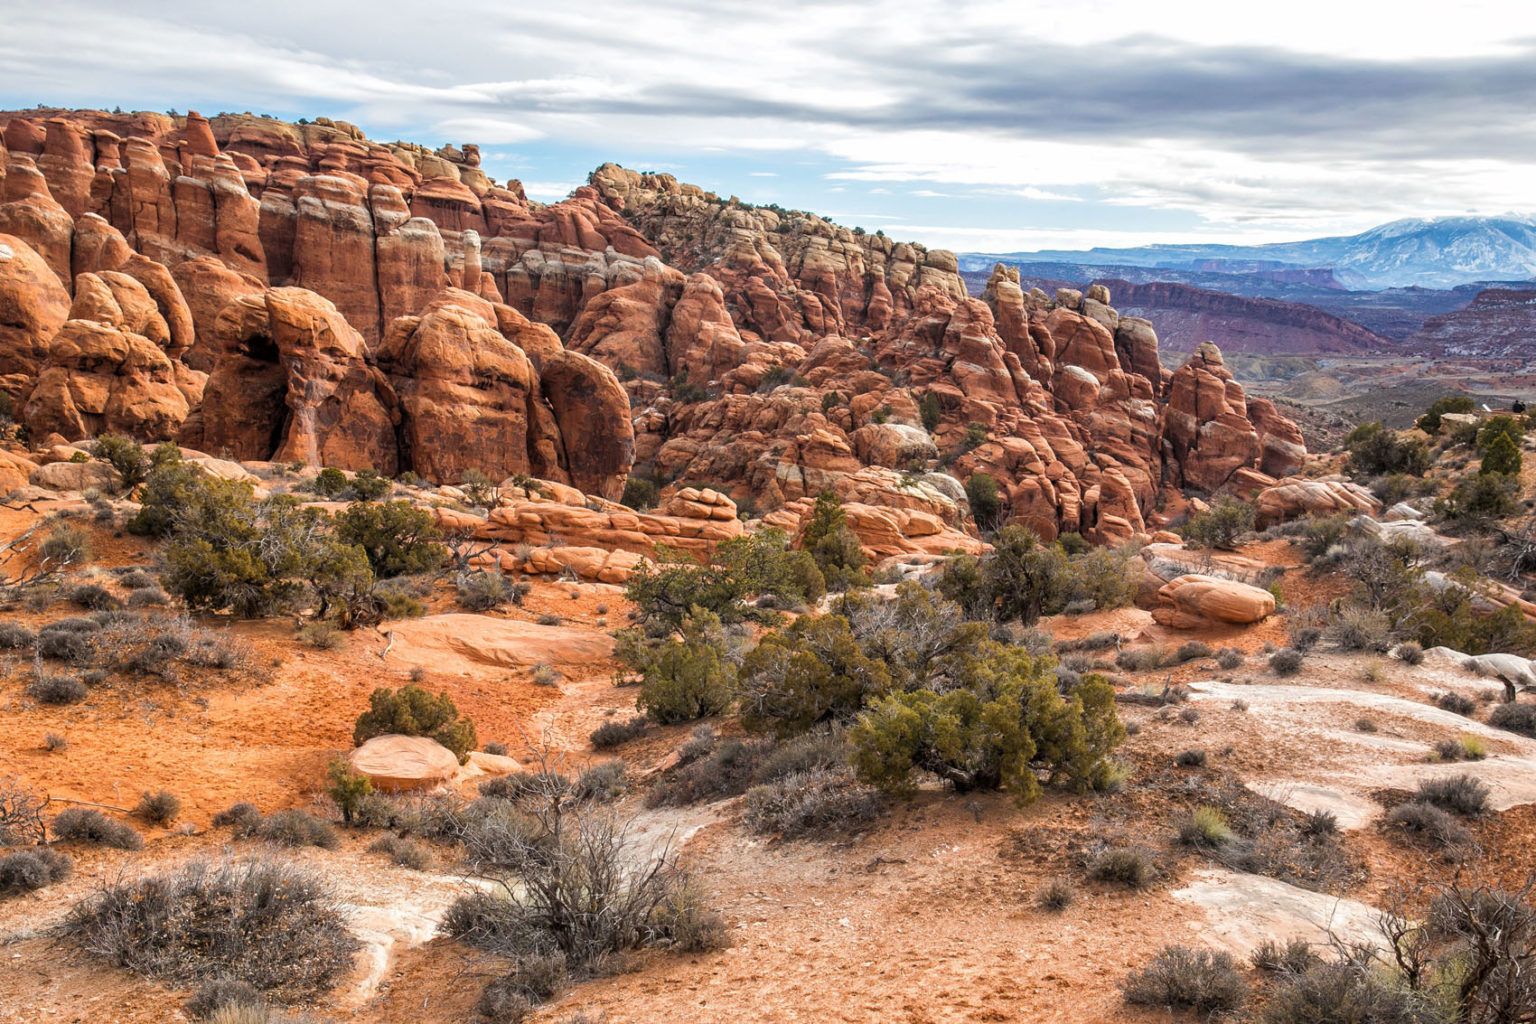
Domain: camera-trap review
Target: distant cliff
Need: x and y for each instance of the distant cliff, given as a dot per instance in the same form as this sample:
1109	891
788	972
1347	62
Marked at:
1186	316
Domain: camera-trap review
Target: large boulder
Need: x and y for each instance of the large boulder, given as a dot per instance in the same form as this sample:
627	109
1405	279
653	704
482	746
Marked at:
1196	601
33	306
397	763
1294	499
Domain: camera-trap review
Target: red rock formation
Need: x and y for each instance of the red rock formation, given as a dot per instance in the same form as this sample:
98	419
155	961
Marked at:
33	306
802	356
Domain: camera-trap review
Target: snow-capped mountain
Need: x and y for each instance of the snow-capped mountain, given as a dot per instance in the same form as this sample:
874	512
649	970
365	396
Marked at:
1442	252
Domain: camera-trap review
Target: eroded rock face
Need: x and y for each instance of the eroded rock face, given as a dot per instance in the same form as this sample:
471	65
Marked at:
292	382
107	370
772	353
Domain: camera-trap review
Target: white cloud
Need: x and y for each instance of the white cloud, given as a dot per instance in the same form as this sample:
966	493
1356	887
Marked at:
1311	116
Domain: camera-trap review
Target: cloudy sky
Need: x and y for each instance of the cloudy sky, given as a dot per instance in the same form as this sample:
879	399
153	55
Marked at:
972	125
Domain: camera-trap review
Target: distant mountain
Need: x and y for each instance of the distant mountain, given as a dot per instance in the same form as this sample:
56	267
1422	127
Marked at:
1186	316
1499	323
1440	253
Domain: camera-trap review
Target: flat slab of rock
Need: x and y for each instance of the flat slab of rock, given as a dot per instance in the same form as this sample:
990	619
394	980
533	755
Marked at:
1242	911
465	643
395	763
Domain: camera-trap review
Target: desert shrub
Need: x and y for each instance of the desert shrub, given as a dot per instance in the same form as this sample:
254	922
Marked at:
158	808
1192	650
30	870
1192	758
91	827
833	545
397	537
1519	718
368	485
976	734
148	597
1285	662
125	455
522	784
1460	794
1345	992
701	742
1319	824
640	492
14	636
296	828
1356	627
1141	659
261	922
53	743
1229	658
1477	500
603	782
412	711
1131	866
1430	421
224	997
988	506
820	802
404	851
1456	703
137	579
65	545
1472	747
1101	641
817	750
550	619
1292	957
1205	828
687	677
1221	526
1057	894
92	596
242	818
1205	981
483	591
348	789
1501	456
1100	579
499	749
577	885
1410	652
330	482
614	733
1376	451
1024	578
726	768
812	672
73	646
1428	822
46	688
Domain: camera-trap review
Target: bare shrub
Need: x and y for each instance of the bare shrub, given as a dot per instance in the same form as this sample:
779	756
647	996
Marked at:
1205	981
89	826
1229	658
1460	794
1520	718
242	819
726	770
1057	895
1285	662
1360	628
821	802
1132	866
1409	652
159	808
603	783
1292	957
295	828
404	851
1429	823
1456	703
46	688
30	870
14	636
614	733
1192	758
224	997
262	922
21	814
